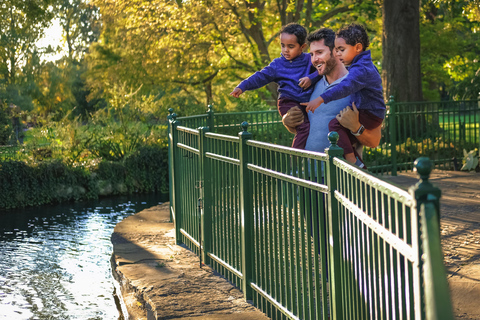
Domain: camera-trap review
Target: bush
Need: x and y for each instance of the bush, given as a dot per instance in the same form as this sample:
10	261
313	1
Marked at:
53	181
49	182
147	170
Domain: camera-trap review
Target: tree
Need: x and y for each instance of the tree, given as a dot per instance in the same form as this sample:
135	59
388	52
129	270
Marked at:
21	26
450	47
401	74
80	24
202	47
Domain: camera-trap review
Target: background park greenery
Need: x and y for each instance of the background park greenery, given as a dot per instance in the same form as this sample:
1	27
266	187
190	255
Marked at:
125	62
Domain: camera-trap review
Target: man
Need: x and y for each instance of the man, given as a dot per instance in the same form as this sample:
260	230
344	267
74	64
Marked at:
322	44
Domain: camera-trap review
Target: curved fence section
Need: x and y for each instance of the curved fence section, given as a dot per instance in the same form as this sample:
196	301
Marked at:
306	235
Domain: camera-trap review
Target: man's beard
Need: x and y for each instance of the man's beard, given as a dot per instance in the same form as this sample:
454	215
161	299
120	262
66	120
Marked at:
329	65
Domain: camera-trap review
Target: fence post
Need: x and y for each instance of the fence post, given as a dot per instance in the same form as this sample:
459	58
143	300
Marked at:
422	192
333	231
246	211
175	211
170	160
392	128
205	236
211	118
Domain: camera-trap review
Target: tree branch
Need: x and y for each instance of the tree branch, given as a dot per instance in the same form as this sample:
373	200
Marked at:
244	65
330	14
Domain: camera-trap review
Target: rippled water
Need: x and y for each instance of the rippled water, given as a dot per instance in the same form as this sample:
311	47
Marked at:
55	260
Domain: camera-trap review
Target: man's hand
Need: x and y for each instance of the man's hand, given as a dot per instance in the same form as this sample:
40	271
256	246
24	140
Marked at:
292	119
348	118
304	82
312	105
236	92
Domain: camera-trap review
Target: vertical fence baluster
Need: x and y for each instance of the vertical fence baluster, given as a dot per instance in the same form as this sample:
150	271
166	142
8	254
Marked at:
171	150
174	172
206	182
246	205
210	118
392	124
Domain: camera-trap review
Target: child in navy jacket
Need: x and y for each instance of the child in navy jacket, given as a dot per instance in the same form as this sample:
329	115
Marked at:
294	74
363	83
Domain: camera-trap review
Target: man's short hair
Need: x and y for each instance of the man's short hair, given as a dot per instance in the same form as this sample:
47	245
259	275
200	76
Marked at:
325	34
297	30
353	34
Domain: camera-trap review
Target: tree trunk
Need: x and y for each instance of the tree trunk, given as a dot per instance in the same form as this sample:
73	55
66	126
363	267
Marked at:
401	74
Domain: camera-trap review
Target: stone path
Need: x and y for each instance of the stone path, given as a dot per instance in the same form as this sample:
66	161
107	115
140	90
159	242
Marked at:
161	280
460	232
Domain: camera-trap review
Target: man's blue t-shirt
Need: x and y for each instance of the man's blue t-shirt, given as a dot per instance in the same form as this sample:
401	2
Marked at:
318	136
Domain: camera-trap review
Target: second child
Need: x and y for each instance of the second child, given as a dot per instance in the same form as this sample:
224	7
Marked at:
294	74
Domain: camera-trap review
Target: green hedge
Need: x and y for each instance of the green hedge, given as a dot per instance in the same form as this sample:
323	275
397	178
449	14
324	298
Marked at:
23	184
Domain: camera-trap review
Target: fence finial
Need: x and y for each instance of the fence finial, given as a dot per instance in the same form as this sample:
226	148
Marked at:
424	167
244	126
333	137
174	116
391	99
210	108
170	111
423	188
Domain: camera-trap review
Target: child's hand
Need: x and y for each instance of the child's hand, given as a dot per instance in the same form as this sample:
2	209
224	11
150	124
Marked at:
312	105
236	92
304	82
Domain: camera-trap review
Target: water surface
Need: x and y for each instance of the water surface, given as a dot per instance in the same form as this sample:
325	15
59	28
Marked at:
55	260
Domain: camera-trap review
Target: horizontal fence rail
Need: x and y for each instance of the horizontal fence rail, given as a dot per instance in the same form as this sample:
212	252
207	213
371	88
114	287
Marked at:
306	235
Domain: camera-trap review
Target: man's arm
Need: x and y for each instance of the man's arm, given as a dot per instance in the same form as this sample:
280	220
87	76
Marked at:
348	118
292	119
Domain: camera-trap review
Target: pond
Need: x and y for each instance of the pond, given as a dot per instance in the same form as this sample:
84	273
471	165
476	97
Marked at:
55	260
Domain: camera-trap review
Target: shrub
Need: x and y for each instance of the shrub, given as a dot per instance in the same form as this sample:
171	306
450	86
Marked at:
53	181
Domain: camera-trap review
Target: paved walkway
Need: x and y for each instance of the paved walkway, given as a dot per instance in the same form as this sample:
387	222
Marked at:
161	280
460	231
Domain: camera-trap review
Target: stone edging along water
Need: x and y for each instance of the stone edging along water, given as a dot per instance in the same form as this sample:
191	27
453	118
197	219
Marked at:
161	280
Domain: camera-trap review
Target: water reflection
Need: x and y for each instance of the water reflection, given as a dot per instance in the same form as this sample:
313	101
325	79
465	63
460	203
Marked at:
55	260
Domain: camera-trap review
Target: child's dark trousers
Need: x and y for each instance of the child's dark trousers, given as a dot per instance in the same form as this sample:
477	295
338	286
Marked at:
346	138
300	139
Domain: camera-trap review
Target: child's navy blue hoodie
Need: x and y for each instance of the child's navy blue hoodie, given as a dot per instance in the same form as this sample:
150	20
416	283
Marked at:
286	74
363	83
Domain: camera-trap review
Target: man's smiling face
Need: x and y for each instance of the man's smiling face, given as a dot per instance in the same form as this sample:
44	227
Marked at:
322	58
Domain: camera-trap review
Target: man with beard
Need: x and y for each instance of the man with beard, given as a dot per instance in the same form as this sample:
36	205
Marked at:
322	46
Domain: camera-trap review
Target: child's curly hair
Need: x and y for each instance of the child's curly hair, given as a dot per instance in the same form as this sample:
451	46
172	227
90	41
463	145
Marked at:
297	30
353	34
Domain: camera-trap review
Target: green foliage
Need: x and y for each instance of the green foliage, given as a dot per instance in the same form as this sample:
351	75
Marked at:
198	51
6	130
147	169
32	184
450	46
251	101
48	182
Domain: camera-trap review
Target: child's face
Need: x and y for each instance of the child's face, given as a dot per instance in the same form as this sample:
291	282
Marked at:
345	52
290	46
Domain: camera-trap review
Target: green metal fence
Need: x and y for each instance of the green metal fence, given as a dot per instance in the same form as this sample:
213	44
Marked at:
306	235
438	130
